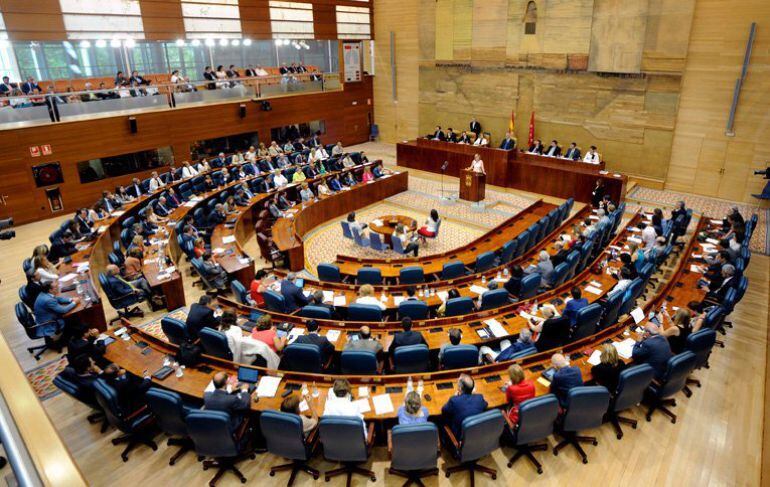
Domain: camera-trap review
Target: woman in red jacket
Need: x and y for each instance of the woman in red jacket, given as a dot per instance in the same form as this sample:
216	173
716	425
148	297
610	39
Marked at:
517	391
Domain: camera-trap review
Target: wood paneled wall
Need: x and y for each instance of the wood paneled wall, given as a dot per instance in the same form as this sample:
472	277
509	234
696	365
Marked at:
162	19
37	20
346	113
255	18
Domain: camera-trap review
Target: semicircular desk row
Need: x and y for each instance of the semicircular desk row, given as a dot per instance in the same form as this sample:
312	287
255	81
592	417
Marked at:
678	291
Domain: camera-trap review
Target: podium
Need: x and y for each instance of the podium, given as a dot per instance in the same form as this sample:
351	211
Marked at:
472	185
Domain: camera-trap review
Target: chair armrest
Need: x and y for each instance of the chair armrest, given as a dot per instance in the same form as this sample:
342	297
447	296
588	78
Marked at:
136	413
328	363
370	435
242	429
451	437
390	444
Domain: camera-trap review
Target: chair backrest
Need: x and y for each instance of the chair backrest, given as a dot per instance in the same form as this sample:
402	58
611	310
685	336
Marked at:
506	253
701	343
411	358
484	261
521	246
358	362
168	409
417	310
174	329
459	306
460	356
369	275
481	435
573	259
529	286
452	270
107	397
494	299
82	394
302	357
343	439
376	242
411	275
317	312
611	309
679	367
283	435
398	246
274	301
559	274
211	435
587	320
632	383
329	273
214	343
536	418
364	312
586	406
414	446
585	255
240	292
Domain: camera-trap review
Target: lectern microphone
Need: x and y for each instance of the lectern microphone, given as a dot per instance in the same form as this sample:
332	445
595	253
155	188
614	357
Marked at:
444	166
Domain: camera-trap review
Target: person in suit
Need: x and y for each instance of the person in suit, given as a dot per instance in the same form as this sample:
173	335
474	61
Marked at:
438	134
508	143
334	184
6	86
122	287
455	338
365	342
653	349
592	156
214	272
577	303
273	208
202	315
49	310
462	405
544	267
451	136
30	86
406	336
513	284
83	372
314	338
130	388
561	253
475	127
464	138
597	195
717	293
536	147
216	217
292	293
83	223
63	247
162	208
554	331
507	349
565	378
84	342
209	75
573	153
236	404
135	189
553	150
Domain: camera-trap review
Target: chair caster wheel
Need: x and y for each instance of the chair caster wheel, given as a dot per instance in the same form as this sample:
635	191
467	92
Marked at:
171	462
633	426
673	421
585	460
595	442
494	477
315	477
326	479
374	479
619	436
447	474
272	474
510	465
649	419
124	459
243	481
539	471
555	453
205	467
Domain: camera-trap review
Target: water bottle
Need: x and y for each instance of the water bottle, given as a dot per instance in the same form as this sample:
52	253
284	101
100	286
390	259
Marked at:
420	387
304	391
79	288
316	392
409	385
483	280
499	275
383	298
506	272
420	293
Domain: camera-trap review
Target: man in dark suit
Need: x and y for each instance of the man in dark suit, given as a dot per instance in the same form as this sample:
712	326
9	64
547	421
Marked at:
200	316
652	349
438	134
560	255
135	189
284	69
718	292
84	342
161	207
553	150
313	338
30	86
83	373
450	135
62	247
292	293
119	286
235	404
536	147
406	337
508	143
209	75
462	405
130	388
5	86
475	127
565	378
266	165
216	217
573	153
251	72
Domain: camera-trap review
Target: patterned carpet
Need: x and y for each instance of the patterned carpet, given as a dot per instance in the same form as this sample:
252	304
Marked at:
41	377
712	207
153	326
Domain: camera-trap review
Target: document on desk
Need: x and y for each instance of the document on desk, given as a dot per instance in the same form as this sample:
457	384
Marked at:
595	358
398	300
382	404
218	250
228	239
695	268
363	405
712	241
716	222
638	315
303	406
637	241
442	295
102	229
268	386
68	277
593	290
190	204
294	333
332	335
497	329
340	300
478	289
328	296
625	348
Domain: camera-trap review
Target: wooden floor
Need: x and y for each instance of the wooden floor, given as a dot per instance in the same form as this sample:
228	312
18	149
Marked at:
717	440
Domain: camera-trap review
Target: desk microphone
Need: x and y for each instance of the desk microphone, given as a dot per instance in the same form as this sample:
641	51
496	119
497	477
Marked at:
444	166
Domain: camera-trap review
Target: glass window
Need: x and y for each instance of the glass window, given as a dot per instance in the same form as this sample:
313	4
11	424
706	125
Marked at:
353	22
149	57
112	166
189	59
297	130
260	53
102	19
291	20
228	145
309	53
211	18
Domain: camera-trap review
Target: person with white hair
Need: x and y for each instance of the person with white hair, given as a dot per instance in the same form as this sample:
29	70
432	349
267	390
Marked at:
718	294
565	378
507	349
544	267
653	349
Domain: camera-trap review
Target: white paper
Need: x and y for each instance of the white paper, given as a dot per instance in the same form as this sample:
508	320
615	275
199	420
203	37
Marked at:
595	284
638	315
363	405
328	296
593	217
377	222
593	290
340	300
496	328
102	229
190	204
363	391
68	277
268	386
695	268
442	295
244	260
637	241
595	357
332	335
382	404
625	348
228	239
210	387
716	222
712	241
634	230
218	250
118	213
303	406
294	333
398	300
478	289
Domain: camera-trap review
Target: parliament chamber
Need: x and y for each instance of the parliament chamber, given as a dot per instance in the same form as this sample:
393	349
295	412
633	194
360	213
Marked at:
384	242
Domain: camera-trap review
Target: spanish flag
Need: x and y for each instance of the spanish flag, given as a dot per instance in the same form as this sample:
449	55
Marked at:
512	124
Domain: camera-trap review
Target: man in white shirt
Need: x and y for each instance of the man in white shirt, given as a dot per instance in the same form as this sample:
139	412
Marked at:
592	157
279	180
155	182
623	283
339	402
260	71
482	140
337	149
366	296
320	153
188	171
251	154
648	235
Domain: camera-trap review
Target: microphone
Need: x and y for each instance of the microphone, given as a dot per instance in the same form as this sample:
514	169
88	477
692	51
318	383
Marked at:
444	166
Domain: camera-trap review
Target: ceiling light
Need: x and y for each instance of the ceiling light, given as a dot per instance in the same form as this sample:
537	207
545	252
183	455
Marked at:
224	42
180	42
195	42
85	44
286	42
101	43
278	42
129	43
235	42
115	43
247	42
210	42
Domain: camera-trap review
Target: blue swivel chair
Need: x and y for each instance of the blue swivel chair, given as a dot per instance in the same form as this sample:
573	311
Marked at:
84	395
675	378
484	261
411	359
302	357
284	437
452	270
460	357
329	273
376	242
315	312
369	275
214	343
411	275
174	329
480	437
364	312
700	343
536	418
559	274
135	425
632	384
507	251
417	310
240	293
359	362
611	310
494	299
586	321
213	438
529	286
586	406
459	306
121	302
360	239
31	327
274	301
344	441
170	412
522	240
413	450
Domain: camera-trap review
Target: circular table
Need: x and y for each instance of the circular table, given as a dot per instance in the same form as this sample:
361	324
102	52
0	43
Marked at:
385	225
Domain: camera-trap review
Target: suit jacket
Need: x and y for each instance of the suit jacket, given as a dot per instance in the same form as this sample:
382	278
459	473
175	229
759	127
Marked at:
536	150
49	311
559	257
162	210
404	338
274	210
135	190
464	139
508	144
564	380
293	296
91	347
655	351
451	137
555	334
475	128
215	218
28	87
556	151
460	407
61	249
439	135
200	317
573	154
236	405
118	286
322	342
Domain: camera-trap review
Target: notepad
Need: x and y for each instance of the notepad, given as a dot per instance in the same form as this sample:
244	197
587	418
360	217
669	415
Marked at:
68	277
625	348
328	296
712	241
544	382
637	241
363	391
303	406
332	335
340	300
363	405
382	404
442	295
638	315
595	358
593	290
294	333
595	284
496	328
716	222
478	289
228	239
695	268
218	250
268	386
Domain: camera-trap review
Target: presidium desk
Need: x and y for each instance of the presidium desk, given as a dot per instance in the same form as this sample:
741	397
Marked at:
551	176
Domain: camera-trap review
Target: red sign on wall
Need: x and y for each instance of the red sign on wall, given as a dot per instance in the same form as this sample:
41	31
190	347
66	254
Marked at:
47	151
34	151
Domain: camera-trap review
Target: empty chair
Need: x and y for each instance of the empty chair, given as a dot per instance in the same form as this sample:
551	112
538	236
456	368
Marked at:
411	359
586	321
452	270
559	274
536	419
414	451
586	406
494	299
480	437
460	357
484	261
329	273
369	275
359	362
417	310
611	309
135	425
632	383
316	312
522	240
700	343
174	329
529	286
364	312
507	251
360	239
302	357
674	380
240	293
214	343
376	242
212	437
27	320
170	412
459	306
343	442
284	438
411	275
274	301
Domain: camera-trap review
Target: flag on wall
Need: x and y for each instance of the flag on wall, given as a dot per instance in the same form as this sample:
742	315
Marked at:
512	124
532	129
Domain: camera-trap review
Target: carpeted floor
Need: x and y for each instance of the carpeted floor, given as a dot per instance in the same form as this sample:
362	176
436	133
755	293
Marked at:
41	377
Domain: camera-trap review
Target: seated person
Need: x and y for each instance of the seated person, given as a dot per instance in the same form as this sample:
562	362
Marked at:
455	338
553	331
367	177
354	225
462	405
323	189
681	326
298	176
407	238
628	263
266	332
314	338
464	138
592	156
653	349
366	296
83	372
306	194
407	336
517	390
717	291
317	299
575	304
120	287
216	217
431	226
290	405
513	285
236	404
334	184
364	342
623	283
130	388
565	378
482	140
380	171
245	349
202	314
214	273
412	411
607	372
536	147
451	294
507	349
348	180
573	153
544	267
339	402
274	207
132	271
292	294
561	253
279	180
84	342
553	150
62	247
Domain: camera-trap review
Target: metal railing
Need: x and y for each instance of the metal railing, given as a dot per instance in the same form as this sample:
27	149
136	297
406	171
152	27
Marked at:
52	107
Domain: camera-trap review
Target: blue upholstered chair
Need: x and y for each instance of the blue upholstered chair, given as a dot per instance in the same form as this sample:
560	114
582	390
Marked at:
452	270
411	359
484	261
31	328
360	239
586	406
344	441
559	274
284	437
536	419
700	343
411	275
135	425
211	434
376	242
522	240
316	312
364	312
529	286
414	452
507	251
84	395
369	275
121	302
240	293
170	412
274	301
359	362
329	273
611	310
480	437
417	310
302	357
214	343
632	383
586	321
459	306
174	329
674	379
460	357
494	299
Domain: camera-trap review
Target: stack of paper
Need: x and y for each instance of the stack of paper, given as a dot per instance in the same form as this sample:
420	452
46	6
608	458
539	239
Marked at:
716	222
228	239
332	335
712	241
68	277
382	404
638	315
398	300
328	296
695	268
593	290
218	250
363	391
363	405
496	328
478	289
340	300
442	295
595	284
268	386
625	348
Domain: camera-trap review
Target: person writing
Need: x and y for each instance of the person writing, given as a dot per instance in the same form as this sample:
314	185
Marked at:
477	165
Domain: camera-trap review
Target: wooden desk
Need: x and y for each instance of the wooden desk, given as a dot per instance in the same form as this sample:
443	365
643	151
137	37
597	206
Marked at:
386	225
472	185
557	177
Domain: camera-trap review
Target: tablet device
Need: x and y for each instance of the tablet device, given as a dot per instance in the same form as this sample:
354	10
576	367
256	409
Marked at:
248	375
299	282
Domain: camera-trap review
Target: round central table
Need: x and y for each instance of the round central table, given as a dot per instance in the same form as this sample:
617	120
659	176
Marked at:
385	225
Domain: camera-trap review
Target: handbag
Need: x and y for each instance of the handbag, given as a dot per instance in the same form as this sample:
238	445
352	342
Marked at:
189	354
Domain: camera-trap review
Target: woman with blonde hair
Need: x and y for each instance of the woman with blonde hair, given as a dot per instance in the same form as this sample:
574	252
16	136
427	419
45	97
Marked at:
681	326
412	411
607	372
517	391
366	296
